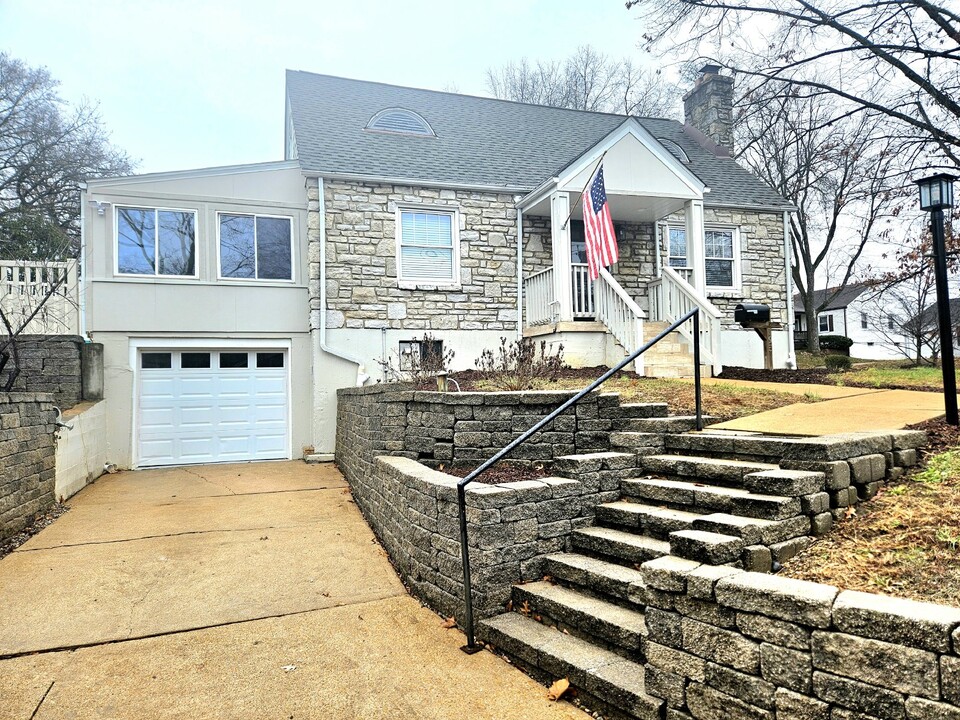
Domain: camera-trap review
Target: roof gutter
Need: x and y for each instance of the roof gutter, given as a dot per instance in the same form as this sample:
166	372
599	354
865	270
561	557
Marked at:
387	180
362	375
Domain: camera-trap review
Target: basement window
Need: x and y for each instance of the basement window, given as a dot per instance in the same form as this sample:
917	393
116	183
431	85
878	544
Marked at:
421	355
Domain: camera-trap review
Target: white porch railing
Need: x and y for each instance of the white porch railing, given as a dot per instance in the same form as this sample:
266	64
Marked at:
671	297
539	307
25	284
622	316
583	304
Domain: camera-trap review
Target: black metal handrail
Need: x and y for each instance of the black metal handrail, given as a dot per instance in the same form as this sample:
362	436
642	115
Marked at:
471	646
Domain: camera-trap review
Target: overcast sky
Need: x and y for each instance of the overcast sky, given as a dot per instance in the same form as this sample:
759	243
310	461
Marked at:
197	83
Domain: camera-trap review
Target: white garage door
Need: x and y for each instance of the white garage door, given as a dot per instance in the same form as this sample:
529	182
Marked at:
202	406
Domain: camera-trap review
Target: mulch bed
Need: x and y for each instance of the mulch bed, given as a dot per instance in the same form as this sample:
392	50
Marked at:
499	473
940	436
39	523
818	376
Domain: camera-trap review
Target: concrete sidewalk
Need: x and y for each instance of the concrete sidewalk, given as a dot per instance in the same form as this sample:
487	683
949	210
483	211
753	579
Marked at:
231	591
841	410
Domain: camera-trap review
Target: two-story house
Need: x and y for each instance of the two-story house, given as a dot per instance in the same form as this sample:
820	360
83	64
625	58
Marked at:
233	302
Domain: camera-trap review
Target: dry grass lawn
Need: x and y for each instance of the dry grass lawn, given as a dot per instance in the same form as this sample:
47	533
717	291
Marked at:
724	402
904	542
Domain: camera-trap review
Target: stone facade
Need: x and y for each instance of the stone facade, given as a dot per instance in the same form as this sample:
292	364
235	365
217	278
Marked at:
363	290
27	458
50	364
733	644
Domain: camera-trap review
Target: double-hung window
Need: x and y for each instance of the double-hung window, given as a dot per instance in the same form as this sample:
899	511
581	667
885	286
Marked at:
256	247
427	247
719	258
677	248
156	241
826	323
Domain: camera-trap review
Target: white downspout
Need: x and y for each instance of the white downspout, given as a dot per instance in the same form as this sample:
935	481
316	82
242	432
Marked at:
788	264
82	283
519	273
362	375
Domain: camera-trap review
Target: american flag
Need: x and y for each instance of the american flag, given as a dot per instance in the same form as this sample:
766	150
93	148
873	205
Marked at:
598	232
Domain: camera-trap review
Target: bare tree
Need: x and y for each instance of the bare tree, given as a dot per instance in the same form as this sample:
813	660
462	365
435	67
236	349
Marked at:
842	175
48	148
586	80
897	58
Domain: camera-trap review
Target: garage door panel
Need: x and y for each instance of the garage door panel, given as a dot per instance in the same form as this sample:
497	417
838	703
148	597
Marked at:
195	415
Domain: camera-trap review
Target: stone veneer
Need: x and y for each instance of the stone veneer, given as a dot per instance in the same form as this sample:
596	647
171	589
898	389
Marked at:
362	286
27	458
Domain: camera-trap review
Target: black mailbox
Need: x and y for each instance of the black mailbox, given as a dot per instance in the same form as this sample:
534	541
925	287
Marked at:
748	314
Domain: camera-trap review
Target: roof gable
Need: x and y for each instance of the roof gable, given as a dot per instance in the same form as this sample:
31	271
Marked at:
479	142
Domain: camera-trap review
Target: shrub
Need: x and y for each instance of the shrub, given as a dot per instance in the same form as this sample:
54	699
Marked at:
836	363
835	343
517	365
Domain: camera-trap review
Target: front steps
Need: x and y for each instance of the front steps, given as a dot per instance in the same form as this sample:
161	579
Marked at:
669	358
692	499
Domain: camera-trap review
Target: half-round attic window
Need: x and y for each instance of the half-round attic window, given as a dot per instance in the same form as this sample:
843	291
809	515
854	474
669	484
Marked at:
674	149
398	120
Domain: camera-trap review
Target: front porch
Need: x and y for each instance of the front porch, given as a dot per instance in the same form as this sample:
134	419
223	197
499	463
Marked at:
657	208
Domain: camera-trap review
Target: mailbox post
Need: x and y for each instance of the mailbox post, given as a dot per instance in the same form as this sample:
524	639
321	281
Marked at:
757	317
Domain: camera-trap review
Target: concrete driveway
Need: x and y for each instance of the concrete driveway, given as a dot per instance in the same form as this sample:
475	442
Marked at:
231	591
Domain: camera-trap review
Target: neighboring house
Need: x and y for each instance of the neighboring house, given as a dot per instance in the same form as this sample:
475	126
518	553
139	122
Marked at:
857	312
924	329
233	302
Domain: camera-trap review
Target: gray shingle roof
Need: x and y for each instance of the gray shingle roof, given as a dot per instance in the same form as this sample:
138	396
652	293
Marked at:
842	299
481	142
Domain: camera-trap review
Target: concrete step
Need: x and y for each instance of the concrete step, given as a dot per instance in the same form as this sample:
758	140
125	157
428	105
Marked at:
593	671
667	347
706	547
626	546
650	520
589	618
667	371
599	576
704	469
708	498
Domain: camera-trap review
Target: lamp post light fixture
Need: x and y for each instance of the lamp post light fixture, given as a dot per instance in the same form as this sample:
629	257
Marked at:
936	194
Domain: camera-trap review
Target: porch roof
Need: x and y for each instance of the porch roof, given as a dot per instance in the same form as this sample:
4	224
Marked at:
479	142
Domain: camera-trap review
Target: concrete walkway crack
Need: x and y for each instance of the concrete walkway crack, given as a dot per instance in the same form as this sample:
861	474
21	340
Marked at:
37	708
164	535
208	480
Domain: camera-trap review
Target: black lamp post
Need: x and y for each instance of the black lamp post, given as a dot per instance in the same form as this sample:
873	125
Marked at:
936	193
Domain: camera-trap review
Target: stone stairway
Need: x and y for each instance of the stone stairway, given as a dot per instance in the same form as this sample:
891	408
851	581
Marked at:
689	501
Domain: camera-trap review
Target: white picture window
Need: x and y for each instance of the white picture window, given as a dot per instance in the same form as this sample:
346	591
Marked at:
826	323
255	247
156	241
719	258
427	248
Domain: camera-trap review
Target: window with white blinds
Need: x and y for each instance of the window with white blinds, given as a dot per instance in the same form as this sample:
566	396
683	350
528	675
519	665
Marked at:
427	246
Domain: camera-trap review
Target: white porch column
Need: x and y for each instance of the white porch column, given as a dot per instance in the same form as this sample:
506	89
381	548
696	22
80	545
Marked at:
560	236
693	212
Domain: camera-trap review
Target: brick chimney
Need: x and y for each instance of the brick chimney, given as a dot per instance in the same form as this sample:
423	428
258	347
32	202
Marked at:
709	106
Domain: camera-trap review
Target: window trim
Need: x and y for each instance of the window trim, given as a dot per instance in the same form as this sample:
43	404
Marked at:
686	258
416	283
737	280
156	240
293	256
830	324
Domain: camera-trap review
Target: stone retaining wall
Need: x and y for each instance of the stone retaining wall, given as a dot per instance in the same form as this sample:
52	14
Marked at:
50	364
463	428
511	526
724	643
27	457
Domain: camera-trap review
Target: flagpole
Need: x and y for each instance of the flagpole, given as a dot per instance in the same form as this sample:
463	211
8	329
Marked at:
580	196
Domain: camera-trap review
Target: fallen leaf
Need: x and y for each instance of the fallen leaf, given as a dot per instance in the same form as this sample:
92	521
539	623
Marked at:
288	668
440	467
557	690
450	622
509	605
850	512
525	607
548	578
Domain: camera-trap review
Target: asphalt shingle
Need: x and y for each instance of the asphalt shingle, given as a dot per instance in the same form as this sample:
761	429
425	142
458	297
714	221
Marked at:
480	142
